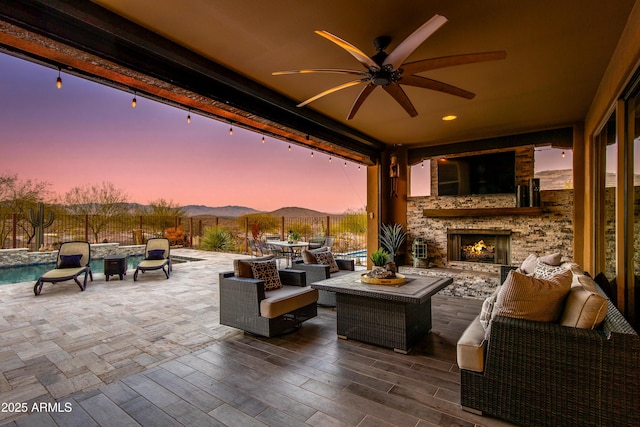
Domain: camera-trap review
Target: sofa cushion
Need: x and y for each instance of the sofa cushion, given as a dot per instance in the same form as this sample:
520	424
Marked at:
326	258
531	298
309	255
585	307
242	266
529	264
267	271
546	271
471	347
287	299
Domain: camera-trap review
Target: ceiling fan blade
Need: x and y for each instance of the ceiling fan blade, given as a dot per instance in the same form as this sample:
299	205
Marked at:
320	70
411	43
449	61
423	82
360	99
398	94
333	89
357	53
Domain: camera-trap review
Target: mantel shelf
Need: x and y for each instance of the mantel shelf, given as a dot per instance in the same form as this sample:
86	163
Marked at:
449	213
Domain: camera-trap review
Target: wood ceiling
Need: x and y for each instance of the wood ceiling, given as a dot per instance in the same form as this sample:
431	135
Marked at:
557	52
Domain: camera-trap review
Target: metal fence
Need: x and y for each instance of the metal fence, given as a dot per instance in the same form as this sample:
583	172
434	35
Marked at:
348	231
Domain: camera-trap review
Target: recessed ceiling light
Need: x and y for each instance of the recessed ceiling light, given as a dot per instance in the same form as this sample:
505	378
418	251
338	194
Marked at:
449	118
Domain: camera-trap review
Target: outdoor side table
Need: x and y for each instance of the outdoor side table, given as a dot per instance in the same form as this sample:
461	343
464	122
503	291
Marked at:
115	264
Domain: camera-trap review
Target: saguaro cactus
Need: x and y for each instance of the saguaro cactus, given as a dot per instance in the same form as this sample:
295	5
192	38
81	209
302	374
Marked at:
39	224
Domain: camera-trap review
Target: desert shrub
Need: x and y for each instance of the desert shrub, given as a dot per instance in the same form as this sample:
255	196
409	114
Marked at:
217	239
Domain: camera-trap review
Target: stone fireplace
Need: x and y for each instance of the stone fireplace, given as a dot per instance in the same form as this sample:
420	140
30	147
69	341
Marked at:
479	246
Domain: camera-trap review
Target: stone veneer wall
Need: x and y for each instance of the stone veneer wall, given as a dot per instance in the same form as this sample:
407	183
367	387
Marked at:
550	232
21	256
541	234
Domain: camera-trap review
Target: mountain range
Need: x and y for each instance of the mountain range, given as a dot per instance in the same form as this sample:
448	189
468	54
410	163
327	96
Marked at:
235	211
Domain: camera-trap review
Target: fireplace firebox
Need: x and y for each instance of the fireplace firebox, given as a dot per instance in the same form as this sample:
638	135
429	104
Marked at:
483	246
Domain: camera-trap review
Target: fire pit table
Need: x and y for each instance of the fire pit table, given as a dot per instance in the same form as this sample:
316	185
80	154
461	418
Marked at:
389	316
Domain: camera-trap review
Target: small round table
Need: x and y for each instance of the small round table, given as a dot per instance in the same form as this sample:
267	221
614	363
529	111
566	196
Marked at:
115	264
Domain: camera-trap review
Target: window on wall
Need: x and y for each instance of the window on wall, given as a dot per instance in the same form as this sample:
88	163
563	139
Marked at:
554	168
636	204
610	184
420	183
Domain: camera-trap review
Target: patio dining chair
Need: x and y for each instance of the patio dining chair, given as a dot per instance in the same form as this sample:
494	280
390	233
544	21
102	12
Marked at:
156	257
73	260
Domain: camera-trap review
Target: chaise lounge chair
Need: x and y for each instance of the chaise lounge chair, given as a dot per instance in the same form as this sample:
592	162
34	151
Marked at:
73	260
156	257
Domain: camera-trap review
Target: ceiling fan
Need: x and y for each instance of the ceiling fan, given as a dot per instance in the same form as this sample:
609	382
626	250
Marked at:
389	71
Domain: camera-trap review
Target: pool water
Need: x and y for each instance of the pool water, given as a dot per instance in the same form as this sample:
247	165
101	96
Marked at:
30	273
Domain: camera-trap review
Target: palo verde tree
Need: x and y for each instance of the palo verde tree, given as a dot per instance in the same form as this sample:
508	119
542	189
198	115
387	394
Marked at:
99	204
18	196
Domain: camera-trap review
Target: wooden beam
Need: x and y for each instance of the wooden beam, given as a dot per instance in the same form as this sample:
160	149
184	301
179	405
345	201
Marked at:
562	137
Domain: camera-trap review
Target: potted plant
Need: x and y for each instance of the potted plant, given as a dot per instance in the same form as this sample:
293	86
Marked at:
379	258
392	236
294	236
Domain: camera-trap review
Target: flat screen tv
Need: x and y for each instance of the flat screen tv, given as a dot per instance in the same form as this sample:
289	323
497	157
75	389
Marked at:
493	173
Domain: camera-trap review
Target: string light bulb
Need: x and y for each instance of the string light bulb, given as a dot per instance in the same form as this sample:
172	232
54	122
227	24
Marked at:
263	139
345	164
358	167
563	154
134	102
289	147
422	165
329	159
189	117
231	130
312	154
59	80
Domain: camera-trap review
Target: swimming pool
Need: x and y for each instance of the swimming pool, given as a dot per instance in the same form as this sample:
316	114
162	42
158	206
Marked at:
30	273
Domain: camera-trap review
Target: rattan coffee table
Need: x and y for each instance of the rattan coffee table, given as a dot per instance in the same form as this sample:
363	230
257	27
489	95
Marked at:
388	316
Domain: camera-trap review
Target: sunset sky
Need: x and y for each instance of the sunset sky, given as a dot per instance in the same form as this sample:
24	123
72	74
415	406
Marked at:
86	133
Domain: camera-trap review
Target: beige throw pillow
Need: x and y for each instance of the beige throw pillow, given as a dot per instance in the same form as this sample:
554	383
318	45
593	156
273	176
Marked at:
530	298
585	307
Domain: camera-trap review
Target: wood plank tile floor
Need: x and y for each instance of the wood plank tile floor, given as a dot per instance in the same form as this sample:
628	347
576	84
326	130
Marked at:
309	377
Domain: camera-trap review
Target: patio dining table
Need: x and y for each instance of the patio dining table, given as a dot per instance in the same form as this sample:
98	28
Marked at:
289	250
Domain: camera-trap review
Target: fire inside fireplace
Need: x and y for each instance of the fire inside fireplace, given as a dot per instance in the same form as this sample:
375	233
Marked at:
484	246
478	252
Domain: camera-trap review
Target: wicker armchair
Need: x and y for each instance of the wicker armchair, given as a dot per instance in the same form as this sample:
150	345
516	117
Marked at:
318	272
544	374
243	301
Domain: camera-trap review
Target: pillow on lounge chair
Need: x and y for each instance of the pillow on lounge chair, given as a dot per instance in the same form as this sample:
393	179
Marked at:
326	258
70	261
309	255
155	254
267	271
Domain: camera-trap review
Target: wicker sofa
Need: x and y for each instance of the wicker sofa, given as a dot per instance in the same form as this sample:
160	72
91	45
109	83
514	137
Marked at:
246	305
544	374
317	272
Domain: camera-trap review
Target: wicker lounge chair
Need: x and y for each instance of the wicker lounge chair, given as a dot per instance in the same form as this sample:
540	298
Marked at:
156	257
73	260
